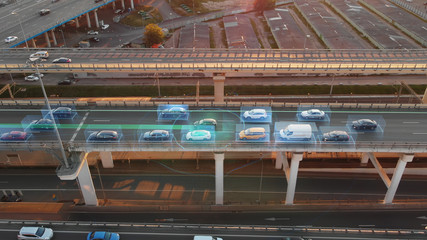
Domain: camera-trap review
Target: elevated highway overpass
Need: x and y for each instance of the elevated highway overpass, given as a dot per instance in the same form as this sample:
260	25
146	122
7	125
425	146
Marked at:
402	132
217	63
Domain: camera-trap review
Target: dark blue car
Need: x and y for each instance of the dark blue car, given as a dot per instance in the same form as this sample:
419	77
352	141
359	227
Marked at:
100	235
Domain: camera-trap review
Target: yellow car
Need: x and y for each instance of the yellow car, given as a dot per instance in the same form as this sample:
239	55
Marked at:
254	133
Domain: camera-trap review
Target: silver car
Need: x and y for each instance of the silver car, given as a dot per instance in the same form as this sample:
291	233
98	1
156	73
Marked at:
33	233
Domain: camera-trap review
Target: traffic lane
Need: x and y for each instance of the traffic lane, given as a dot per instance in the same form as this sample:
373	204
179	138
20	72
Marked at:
200	187
397	219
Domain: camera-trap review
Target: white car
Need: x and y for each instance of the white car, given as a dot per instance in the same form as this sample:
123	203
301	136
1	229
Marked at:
198	135
313	114
105	26
92	32
255	114
32	78
10	39
35	233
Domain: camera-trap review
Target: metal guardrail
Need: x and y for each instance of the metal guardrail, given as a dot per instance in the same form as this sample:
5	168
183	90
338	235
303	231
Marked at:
234	228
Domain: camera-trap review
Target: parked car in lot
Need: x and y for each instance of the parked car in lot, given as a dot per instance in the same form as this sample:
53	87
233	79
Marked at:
255	114
364	124
42	124
105	26
11	39
92	32
44	11
62	60
205	122
35	233
14	135
15	197
335	136
62	112
198	135
104	135
101	235
31	78
94	39
156	135
254	133
313	114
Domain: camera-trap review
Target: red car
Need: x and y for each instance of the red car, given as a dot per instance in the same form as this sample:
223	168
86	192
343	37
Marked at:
14	135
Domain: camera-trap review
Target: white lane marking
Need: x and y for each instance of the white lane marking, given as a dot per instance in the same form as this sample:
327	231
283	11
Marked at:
101	120
79	127
410	122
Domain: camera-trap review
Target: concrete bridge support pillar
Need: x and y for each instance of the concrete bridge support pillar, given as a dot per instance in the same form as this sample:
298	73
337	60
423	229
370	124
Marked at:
46	37
96	18
106	159
132	5
425	97
53	37
86	185
219	79
77	22
280	156
219	178
364	159
88	20
34	43
397	175
123	4
292	181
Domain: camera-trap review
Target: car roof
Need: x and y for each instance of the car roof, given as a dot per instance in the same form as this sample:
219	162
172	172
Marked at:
257	129
159	131
258	110
28	230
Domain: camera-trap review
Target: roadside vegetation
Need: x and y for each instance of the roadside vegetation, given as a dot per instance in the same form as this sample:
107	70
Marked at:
33	91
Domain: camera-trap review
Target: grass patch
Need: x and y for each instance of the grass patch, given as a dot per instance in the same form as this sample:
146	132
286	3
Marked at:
134	19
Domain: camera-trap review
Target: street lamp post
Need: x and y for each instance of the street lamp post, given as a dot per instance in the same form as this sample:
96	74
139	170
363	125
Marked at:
305	39
64	156
23	32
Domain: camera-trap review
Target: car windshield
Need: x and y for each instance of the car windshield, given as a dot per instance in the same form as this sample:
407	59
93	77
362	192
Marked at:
40	231
107	236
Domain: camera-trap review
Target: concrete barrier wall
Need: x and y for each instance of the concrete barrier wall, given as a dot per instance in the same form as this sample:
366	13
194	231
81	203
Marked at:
418	12
417	38
124	103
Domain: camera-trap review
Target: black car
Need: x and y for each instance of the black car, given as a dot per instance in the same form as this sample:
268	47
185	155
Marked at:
104	136
156	135
65	82
364	124
62	112
336	136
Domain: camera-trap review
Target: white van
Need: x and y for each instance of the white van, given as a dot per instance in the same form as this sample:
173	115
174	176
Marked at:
40	54
296	132
206	238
